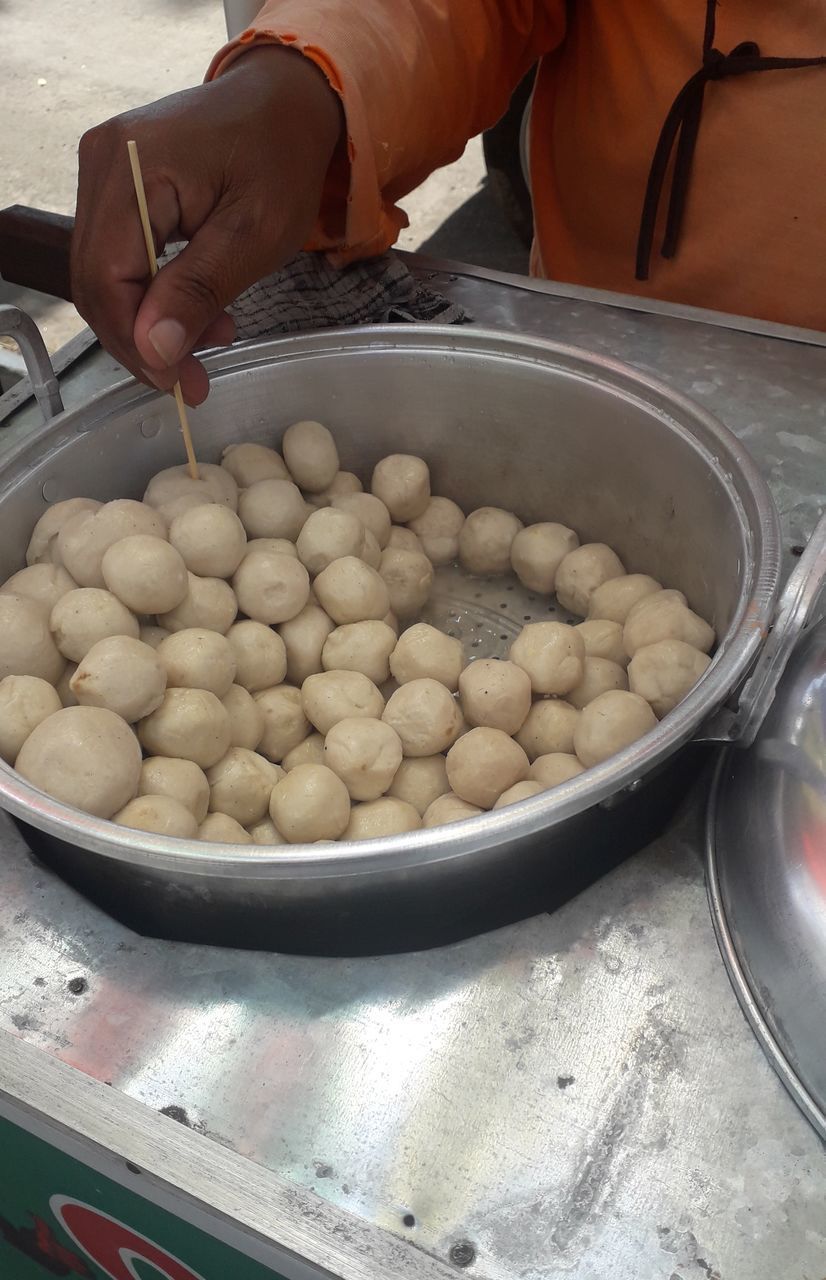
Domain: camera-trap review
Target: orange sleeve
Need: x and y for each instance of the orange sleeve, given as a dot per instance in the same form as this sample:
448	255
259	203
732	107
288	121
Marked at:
417	79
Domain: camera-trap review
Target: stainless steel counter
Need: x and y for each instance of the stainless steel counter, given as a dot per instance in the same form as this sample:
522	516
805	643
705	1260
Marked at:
578	1095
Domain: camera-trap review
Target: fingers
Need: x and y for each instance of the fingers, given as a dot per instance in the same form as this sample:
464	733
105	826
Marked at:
221	333
194	380
188	296
237	166
110	270
191	373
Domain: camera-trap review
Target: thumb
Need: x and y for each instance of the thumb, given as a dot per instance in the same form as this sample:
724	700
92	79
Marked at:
189	293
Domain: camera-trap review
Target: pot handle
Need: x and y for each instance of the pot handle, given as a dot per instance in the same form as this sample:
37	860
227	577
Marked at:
796	610
15	324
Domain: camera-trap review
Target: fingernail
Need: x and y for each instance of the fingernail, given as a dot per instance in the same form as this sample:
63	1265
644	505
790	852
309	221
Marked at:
151	377
169	340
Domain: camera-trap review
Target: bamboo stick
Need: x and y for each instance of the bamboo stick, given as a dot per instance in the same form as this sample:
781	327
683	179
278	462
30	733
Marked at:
140	194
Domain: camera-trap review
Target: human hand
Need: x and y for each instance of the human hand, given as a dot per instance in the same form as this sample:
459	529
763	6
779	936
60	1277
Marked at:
235	167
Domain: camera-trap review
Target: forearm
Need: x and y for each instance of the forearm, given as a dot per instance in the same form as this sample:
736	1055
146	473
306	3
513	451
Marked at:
417	78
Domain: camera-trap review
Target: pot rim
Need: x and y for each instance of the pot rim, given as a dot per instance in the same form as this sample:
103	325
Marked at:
625	770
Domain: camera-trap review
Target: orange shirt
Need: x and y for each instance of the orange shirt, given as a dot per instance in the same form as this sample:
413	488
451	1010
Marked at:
419	77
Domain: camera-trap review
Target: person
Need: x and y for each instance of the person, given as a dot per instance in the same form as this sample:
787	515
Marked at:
676	152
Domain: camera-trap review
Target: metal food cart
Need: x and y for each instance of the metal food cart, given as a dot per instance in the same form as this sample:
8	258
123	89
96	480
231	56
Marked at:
575	1095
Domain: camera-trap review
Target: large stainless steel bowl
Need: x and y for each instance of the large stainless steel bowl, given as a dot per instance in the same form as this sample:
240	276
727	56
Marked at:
548	431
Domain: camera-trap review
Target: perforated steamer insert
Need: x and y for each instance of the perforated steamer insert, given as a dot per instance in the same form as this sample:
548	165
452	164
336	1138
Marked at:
486	614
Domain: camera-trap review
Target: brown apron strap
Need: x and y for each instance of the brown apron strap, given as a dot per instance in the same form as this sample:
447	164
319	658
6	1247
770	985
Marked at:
682	125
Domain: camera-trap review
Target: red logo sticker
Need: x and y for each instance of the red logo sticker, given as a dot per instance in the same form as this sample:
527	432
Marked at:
113	1245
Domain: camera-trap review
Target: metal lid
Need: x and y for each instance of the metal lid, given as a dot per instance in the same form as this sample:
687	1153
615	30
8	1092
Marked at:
767	875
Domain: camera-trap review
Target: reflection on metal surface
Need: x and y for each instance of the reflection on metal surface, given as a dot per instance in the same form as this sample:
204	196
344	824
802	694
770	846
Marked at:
575	293
575	1095
798	608
771	393
767	871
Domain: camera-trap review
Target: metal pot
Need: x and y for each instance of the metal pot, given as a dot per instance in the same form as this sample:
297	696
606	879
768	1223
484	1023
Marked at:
548	431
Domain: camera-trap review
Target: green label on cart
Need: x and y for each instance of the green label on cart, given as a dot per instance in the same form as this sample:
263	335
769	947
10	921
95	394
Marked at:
58	1217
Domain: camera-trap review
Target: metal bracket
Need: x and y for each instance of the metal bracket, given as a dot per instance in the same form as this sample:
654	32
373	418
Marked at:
797	609
15	324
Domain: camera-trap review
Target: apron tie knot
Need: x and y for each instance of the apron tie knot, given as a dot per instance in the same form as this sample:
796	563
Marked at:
682	126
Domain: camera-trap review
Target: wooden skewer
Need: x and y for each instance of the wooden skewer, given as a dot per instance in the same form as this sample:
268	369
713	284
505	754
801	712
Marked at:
140	194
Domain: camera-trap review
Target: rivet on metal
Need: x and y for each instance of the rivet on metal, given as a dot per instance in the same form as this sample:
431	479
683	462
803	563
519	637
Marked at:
462	1254
150	426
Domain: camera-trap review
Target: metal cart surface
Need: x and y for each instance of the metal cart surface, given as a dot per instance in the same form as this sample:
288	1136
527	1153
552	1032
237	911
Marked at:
577	1095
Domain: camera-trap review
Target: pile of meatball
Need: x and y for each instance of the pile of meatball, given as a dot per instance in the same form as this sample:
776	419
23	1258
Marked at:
237	658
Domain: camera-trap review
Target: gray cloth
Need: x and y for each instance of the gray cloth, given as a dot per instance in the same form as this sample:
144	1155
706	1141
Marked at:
310	294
